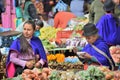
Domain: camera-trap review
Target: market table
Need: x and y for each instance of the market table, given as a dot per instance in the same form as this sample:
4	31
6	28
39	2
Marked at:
60	50
9	33
7	37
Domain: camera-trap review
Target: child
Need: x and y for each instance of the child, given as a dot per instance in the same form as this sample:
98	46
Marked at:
39	25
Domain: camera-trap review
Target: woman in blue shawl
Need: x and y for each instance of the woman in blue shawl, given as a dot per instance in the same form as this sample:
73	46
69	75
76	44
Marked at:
25	52
96	52
109	25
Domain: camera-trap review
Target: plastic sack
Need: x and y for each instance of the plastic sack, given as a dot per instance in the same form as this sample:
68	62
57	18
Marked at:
60	6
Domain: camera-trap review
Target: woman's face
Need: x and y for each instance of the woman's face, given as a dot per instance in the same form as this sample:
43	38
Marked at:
33	1
91	39
28	30
103	1
116	1
37	27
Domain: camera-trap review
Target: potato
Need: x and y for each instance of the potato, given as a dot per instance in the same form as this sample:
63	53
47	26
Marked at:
27	79
37	78
108	76
46	70
44	75
32	75
36	71
27	71
23	75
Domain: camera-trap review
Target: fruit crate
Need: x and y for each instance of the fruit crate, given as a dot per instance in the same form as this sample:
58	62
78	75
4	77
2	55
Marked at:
66	34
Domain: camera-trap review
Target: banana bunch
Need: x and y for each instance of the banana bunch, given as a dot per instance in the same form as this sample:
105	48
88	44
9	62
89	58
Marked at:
48	33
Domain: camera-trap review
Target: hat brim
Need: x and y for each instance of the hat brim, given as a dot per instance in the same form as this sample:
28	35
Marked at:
91	33
108	9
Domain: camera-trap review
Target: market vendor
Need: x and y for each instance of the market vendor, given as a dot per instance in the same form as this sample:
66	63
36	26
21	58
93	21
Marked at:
109	25
96	51
25	52
62	18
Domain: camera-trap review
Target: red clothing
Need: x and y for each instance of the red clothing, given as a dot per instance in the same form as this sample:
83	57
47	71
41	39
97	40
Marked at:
62	18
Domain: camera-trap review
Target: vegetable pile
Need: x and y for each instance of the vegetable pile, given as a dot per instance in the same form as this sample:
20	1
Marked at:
36	74
92	73
115	53
65	66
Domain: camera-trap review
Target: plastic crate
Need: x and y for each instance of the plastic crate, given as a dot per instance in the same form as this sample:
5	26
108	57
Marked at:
64	34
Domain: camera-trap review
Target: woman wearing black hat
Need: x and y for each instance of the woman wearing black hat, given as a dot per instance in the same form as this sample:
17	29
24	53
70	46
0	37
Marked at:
109	25
96	51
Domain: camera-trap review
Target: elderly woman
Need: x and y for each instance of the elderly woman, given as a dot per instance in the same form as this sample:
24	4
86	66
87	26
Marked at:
25	52
96	51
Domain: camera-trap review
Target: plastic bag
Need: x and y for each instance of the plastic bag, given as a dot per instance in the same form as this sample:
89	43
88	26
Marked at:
60	6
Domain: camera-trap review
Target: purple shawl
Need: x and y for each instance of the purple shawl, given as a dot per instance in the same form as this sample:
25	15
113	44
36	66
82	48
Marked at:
108	29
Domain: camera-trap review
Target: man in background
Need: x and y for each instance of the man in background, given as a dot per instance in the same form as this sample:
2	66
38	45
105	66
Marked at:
96	11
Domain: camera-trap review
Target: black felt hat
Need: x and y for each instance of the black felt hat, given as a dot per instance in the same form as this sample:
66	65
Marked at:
109	5
89	29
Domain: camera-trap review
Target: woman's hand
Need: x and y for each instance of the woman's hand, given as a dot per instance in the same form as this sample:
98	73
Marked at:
75	50
30	64
38	65
86	55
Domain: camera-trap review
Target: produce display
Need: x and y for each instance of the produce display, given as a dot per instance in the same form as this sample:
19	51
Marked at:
62	75
81	19
115	53
59	57
35	74
48	33
2	66
55	75
72	59
78	23
78	27
116	75
92	73
109	75
75	42
66	66
2	63
47	44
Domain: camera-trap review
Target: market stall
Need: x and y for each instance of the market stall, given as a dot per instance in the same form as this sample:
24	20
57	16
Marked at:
92	73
